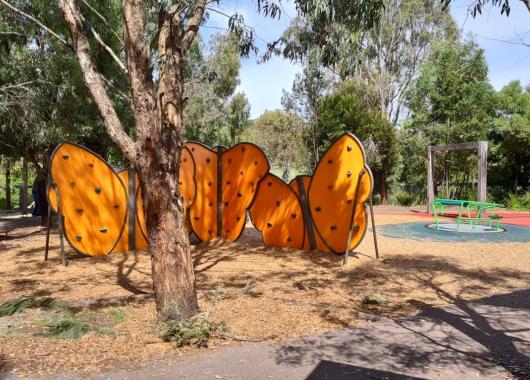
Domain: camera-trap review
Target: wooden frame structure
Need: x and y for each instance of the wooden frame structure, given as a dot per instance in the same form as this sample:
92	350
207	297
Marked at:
482	149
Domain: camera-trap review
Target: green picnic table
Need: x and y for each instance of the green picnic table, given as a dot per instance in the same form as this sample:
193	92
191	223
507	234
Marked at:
465	209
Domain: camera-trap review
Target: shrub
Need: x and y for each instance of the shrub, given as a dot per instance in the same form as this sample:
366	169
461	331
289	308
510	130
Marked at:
402	198
518	202
196	331
20	304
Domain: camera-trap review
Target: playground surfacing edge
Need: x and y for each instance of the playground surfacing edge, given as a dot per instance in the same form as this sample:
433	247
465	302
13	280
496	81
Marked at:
292	293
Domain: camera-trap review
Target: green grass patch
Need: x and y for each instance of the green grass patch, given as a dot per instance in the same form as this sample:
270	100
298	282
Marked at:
118	315
20	304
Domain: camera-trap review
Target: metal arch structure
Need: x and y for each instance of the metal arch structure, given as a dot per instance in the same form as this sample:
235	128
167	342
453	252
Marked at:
480	146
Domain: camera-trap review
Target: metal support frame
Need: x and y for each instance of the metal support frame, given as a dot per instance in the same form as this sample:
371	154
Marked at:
64	261
482	149
352	227
219	191
308	220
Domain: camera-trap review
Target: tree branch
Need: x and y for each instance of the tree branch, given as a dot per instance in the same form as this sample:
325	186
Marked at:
139	66
193	26
27	15
93	80
104	45
102	18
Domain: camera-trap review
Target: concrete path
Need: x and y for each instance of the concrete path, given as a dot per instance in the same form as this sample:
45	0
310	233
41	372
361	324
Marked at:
489	339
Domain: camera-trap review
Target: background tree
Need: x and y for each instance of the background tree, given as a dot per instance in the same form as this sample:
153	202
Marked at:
214	114
451	102
510	137
280	133
354	108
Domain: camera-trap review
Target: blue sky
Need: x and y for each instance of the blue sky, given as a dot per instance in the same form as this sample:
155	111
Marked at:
263	83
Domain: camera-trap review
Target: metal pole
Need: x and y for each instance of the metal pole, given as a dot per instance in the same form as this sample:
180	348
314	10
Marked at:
219	191
61	223
351	227
373	229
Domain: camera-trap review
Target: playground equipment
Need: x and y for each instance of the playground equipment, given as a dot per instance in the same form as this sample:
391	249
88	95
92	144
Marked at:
226	182
465	215
325	211
101	211
482	149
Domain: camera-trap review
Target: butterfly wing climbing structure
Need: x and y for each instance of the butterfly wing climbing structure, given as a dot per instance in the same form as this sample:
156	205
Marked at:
226	182
332	202
101	211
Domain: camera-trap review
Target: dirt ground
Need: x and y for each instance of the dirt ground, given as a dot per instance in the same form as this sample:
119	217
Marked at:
259	293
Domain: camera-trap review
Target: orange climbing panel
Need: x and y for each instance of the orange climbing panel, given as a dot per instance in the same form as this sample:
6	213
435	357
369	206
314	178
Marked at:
242	167
333	191
277	213
187	185
93	199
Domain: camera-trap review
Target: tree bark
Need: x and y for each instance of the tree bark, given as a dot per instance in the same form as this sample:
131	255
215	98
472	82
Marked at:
24	195
383	188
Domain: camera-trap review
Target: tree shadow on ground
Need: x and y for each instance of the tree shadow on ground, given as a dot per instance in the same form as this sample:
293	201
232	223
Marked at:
478	335
327	369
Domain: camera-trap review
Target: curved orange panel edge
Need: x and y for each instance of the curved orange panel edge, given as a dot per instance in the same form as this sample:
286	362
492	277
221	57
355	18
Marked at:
277	213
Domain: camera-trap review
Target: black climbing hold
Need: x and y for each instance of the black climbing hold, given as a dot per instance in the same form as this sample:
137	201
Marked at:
251	183
66	157
180	183
184	159
209	184
259	176
239	194
78	237
330	187
330	161
208	160
356	228
318	209
193	149
97	190
226	203
256	163
241	173
349	148
79	210
349	201
293	215
238	218
242	148
269	225
333	227
289	239
209	232
227	231
348	173
72	184
196	218
228	182
91	165
210	204
269	183
229	160
116	206
278	203
103	229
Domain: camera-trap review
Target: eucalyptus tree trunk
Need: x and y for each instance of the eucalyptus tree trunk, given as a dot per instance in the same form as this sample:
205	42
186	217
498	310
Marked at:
156	151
